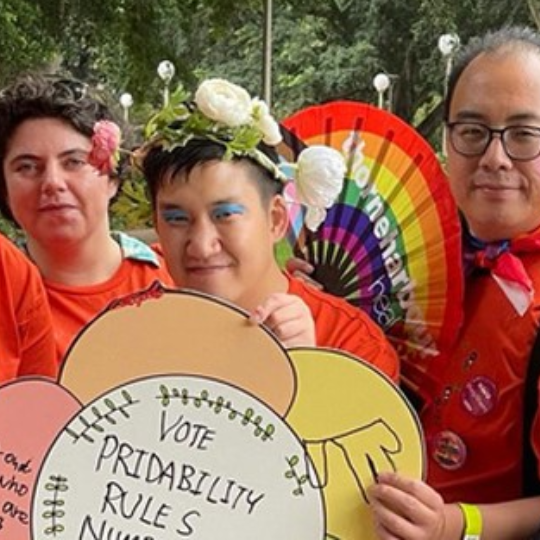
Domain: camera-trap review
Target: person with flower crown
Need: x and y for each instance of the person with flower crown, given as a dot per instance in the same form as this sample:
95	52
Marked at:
59	150
216	190
26	331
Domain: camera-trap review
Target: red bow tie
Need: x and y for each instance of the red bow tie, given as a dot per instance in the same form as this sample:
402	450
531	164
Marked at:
506	266
503	261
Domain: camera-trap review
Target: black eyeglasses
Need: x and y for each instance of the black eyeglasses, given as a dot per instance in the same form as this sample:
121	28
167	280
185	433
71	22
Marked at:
521	143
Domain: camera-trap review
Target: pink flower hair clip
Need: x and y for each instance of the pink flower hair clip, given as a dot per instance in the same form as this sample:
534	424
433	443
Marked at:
105	151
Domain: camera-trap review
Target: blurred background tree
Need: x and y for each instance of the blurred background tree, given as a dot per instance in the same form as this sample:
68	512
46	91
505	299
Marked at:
321	51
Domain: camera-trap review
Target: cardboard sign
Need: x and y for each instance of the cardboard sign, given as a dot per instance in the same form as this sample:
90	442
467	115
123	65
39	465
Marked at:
197	424
178	457
354	423
32	412
160	331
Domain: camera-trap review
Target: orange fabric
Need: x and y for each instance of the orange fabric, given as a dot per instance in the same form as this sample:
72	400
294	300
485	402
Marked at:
74	307
340	325
474	396
26	336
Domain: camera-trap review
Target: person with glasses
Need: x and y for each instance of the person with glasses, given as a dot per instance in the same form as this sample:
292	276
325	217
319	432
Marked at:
479	484
472	139
26	332
59	150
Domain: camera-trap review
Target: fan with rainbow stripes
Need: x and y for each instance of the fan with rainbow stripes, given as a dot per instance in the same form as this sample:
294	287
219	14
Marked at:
391	243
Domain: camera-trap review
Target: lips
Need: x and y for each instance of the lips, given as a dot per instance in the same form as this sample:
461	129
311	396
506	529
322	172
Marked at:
496	192
496	182
55	207
496	187
206	269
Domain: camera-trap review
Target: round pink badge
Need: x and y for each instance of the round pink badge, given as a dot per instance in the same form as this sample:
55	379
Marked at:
479	396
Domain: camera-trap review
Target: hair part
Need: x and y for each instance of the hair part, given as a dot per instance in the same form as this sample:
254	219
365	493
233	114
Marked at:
161	166
508	39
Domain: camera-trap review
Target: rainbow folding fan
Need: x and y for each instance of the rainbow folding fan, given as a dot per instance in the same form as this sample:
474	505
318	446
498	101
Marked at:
391	243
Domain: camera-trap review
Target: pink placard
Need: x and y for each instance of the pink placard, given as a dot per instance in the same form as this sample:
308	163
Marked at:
32	413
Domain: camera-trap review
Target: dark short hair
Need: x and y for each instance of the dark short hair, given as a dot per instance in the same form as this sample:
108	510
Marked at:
160	166
33	96
508	38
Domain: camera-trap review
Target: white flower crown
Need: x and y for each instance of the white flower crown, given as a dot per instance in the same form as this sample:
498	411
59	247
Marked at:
225	113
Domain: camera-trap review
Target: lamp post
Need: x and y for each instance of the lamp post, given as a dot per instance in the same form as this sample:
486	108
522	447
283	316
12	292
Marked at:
393	78
381	82
166	72
126	100
267	52
448	45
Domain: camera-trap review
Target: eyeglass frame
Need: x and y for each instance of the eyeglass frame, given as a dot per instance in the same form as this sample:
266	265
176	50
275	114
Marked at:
491	132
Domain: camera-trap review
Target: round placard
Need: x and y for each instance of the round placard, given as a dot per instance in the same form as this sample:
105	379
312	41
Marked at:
172	457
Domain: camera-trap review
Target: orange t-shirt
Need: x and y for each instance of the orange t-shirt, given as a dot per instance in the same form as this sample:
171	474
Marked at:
74	306
26	334
339	325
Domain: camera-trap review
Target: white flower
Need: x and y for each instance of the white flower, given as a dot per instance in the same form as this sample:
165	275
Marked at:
224	102
266	123
314	217
270	128
319	181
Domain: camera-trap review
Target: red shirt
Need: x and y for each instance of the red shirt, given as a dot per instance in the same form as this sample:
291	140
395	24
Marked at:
26	335
74	306
473	419
340	325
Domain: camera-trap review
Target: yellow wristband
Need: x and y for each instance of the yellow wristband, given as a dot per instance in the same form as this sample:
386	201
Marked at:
472	518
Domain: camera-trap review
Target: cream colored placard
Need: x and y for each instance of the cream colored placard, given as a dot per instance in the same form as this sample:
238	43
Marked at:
352	420
171	457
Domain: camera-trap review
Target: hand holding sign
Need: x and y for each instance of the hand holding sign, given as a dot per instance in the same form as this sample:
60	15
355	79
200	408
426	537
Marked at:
355	423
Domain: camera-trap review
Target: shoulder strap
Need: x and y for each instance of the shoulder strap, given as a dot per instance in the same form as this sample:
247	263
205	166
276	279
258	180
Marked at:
531	482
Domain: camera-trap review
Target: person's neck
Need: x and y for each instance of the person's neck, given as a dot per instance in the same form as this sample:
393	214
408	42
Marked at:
477	240
88	262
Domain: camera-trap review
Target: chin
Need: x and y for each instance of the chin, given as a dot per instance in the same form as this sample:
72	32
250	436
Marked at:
204	288
57	237
494	232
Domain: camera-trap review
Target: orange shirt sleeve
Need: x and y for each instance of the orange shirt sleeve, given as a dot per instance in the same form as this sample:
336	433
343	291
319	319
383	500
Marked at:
26	339
340	325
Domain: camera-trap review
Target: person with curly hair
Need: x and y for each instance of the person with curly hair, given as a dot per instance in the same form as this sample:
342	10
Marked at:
59	152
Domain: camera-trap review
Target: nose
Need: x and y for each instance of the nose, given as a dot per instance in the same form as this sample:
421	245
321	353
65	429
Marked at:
53	178
203	240
495	156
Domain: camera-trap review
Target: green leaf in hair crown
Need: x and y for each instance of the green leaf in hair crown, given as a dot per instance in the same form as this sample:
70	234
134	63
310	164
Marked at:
221	112
225	113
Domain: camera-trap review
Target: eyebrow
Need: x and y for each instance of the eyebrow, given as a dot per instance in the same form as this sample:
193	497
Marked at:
163	204
65	153
167	205
226	201
475	116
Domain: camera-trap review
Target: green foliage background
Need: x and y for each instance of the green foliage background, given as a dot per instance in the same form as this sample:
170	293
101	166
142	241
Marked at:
322	50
